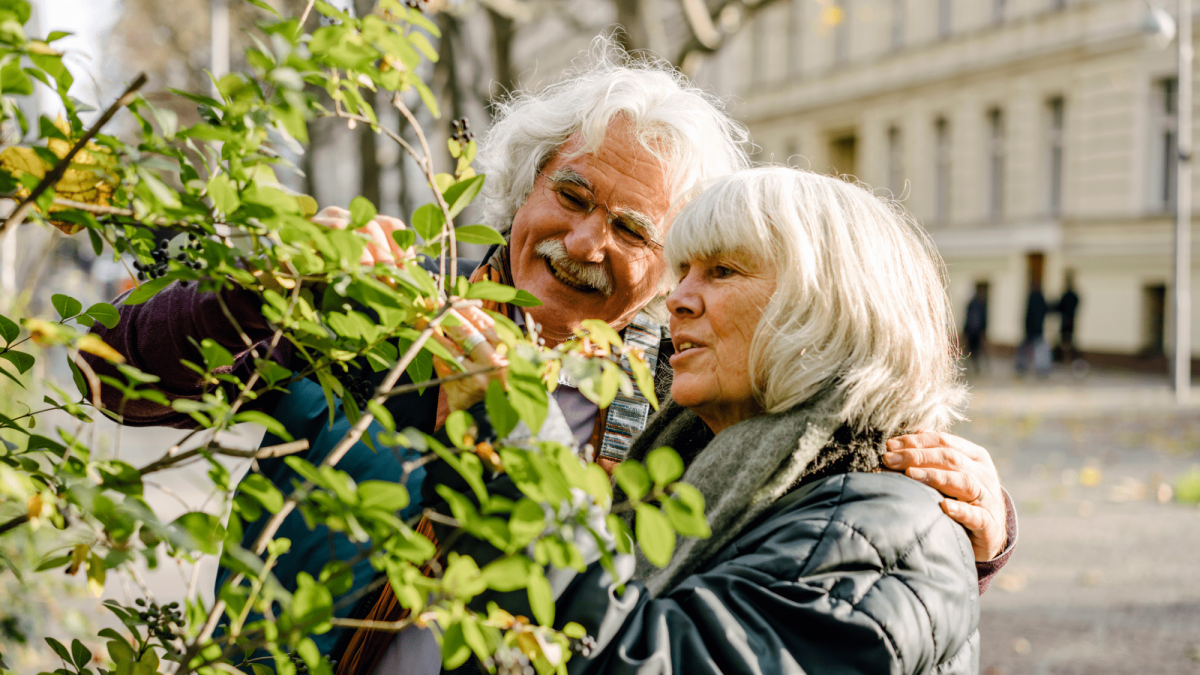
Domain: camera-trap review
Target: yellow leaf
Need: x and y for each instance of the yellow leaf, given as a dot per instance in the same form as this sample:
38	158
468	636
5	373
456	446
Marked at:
92	344
88	185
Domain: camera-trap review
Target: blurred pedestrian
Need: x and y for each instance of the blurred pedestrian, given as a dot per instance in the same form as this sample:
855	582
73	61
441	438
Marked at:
975	327
1034	350
1067	307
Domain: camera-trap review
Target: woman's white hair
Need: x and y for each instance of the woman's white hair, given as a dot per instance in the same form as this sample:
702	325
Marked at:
860	310
677	123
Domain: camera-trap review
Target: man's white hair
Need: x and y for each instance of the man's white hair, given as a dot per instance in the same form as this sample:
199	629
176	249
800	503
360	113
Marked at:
860	310
677	123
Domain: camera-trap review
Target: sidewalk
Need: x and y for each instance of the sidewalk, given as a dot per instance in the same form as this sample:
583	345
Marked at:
1000	390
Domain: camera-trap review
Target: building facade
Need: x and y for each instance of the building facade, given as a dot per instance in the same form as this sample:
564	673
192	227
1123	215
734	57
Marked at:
1032	138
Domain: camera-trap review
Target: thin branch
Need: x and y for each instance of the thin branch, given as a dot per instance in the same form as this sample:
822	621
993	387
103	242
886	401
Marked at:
386	626
51	179
332	459
409	388
398	102
280	450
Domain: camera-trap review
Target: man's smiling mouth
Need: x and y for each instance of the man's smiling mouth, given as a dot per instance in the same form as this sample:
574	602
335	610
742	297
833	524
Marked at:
567	279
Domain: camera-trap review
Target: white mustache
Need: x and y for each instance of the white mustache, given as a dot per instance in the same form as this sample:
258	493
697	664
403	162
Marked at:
592	275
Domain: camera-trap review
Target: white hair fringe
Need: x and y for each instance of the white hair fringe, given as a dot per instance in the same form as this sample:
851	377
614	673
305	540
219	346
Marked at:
676	122
860	310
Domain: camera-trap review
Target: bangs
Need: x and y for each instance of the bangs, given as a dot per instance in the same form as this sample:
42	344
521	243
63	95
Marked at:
727	218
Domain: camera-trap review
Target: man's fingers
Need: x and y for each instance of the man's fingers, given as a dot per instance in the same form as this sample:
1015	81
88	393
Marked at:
473	342
954	484
980	528
389	225
930	458
935	439
378	244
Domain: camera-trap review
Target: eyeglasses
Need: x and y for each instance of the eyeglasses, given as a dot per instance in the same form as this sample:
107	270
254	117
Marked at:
578	201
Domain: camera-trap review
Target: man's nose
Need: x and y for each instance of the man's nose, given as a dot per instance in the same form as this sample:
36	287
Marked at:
588	237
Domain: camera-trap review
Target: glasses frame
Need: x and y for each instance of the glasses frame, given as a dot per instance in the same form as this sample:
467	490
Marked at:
652	244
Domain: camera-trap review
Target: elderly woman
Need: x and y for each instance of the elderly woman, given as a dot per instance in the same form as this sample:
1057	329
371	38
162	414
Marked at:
810	324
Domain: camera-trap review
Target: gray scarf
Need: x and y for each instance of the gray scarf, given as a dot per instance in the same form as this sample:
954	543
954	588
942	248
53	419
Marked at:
741	472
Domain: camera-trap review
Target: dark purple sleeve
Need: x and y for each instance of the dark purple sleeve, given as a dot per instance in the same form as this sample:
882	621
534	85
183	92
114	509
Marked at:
153	337
989	569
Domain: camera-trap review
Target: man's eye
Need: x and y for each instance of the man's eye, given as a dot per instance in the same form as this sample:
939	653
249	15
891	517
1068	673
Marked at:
572	201
629	231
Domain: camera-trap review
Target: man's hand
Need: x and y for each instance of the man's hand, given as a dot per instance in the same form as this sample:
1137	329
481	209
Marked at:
381	248
964	472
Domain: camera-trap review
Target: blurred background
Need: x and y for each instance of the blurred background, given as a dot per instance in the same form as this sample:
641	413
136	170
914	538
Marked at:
1036	140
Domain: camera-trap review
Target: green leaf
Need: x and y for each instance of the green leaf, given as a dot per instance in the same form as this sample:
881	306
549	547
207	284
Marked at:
478	234
261	489
644	379
105	313
270	423
65	305
8	330
262	5
147	290
664	466
526	299
455	651
526	392
509	573
504	417
199	531
528	520
687	521
655	535
404	238
21	360
462	193
59	649
223	194
81	654
633	479
312	605
378	494
458	424
362	211
541	598
419	41
382	415
574	630
490	290
428	221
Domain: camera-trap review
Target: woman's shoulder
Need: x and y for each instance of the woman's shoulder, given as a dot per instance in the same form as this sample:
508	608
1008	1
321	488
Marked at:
890	515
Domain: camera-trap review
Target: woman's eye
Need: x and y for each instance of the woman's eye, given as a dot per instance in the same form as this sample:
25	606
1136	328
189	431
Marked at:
720	271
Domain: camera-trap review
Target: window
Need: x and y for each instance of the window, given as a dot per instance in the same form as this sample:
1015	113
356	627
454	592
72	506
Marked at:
995	164
941	181
944	18
841	34
758	51
895	161
1054	164
1164	144
795	34
898	7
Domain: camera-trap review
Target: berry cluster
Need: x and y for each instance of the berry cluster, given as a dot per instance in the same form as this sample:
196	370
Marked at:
586	645
302	667
162	257
163	622
418	5
461	131
358	388
511	662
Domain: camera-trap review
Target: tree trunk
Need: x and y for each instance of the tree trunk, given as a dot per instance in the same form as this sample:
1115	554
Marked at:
504	33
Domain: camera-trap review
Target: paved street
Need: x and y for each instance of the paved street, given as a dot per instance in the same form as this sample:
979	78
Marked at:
1106	576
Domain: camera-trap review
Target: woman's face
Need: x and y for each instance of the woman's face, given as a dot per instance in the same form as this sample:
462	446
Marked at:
714	312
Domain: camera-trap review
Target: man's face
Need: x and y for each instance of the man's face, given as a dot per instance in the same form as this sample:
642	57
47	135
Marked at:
592	263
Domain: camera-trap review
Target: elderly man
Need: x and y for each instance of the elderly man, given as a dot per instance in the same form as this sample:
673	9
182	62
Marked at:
583	177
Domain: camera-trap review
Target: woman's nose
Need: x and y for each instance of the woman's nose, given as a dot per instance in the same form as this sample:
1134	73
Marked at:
685	300
588	235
